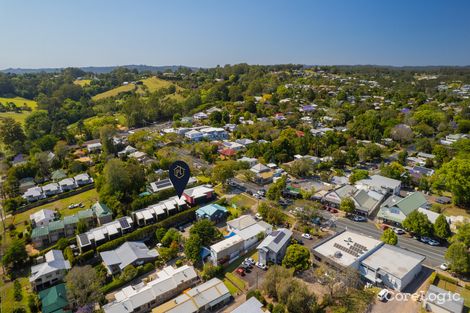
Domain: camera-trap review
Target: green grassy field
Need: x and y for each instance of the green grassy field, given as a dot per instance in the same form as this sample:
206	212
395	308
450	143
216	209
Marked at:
231	287
243	200
18	101
114	92
88	198
82	82
238	282
152	83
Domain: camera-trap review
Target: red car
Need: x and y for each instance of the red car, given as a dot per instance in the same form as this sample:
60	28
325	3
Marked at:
240	271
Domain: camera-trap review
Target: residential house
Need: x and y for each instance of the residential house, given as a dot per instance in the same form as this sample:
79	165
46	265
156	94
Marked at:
83	179
67	184
214	133
245	142
94	147
56	230
129	253
102	212
169	283
214	212
439	300
126	151
101	234
50	272
251	161
395	209
51	189
42	218
160	185
227	154
194	135
367	202
158	211
210	296
40	236
252	305
26	183
274	246
54	300
58	175
263	174
200	116
199	194
227	250
33	194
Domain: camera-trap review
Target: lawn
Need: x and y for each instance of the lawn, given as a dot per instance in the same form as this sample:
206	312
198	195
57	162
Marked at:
465	293
18	117
7	293
451	209
238	282
231	287
88	198
243	200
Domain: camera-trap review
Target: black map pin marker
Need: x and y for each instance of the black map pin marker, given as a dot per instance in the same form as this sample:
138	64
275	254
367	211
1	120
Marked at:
179	176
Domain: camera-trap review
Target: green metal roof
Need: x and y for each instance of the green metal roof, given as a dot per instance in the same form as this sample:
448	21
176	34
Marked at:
55	225
54	299
101	209
85	214
411	202
40	232
71	219
58	175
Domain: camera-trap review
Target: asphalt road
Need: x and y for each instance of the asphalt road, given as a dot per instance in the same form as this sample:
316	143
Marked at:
434	255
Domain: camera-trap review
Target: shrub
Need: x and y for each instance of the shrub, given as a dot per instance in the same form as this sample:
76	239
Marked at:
179	263
18	292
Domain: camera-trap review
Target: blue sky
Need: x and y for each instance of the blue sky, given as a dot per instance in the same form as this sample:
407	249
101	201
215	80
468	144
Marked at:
58	33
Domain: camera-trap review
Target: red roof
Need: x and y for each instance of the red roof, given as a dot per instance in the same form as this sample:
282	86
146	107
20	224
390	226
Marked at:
228	152
300	133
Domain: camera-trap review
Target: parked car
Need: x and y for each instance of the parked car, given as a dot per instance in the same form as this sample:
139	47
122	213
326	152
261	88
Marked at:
358	218
261	192
240	271
433	242
250	261
306	236
444	266
398	231
425	239
383	295
261	266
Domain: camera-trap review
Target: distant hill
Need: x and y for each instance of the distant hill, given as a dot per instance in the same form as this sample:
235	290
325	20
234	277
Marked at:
98	69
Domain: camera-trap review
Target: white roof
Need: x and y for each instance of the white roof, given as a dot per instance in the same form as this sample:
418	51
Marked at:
251	305
226	243
42	215
33	192
198	191
50	187
379	181
393	260
82	176
54	262
346	239
67	182
242	222
251	231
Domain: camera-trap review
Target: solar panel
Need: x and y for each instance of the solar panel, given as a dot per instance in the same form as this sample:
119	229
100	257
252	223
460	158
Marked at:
124	223
279	237
163	183
84	239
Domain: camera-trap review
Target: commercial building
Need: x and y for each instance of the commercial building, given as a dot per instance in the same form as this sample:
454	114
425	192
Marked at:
209	296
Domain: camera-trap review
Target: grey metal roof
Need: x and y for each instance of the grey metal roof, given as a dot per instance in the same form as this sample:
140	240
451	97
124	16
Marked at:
251	305
128	253
393	260
445	302
276	240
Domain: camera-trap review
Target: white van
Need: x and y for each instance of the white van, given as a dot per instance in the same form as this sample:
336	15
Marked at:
383	295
